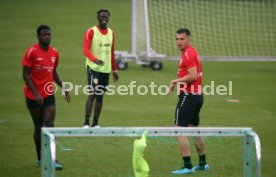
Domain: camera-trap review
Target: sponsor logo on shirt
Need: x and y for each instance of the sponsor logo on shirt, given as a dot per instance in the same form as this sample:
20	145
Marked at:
48	68
105	45
53	59
38	68
96	81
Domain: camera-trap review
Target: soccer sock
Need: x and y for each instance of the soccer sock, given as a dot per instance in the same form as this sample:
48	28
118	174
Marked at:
187	162
95	121
202	160
86	121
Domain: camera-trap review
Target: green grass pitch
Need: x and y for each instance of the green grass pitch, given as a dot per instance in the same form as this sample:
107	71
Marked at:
253	82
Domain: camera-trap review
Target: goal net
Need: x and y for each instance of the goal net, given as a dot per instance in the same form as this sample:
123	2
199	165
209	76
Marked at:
221	29
107	152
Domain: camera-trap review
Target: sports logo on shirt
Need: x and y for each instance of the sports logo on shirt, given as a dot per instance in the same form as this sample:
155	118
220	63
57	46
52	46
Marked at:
38	68
53	59
105	45
96	81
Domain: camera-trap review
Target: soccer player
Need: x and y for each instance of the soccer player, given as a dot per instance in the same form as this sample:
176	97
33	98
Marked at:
40	64
190	101
100	61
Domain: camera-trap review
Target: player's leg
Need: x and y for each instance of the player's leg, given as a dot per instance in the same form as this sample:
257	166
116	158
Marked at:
197	102
97	110
200	146
35	112
100	90
201	150
92	80
182	119
37	120
49	111
88	109
49	114
185	151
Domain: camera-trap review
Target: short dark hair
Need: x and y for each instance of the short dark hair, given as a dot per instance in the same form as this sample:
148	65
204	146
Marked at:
103	10
42	27
184	30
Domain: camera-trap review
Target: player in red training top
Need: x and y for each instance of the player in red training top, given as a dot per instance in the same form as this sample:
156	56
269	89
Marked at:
39	73
100	61
190	101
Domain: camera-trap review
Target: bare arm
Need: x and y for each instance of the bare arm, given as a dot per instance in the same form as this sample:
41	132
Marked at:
59	83
190	77
30	84
57	78
113	61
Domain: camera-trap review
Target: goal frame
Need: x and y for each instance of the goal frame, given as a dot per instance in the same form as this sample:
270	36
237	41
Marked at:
250	138
140	23
146	56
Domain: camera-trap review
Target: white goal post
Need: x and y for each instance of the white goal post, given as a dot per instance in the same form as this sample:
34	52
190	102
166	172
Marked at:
251	141
221	30
141	50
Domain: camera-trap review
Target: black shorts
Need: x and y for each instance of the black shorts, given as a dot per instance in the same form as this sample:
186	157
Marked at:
187	109
97	81
49	101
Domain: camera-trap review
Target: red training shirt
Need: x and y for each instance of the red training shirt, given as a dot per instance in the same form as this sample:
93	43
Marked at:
87	46
188	60
42	65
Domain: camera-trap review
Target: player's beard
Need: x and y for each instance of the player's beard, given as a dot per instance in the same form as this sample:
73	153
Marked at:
103	23
45	43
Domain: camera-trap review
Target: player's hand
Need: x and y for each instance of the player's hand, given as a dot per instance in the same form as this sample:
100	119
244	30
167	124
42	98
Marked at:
170	88
115	76
99	62
38	99
67	97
